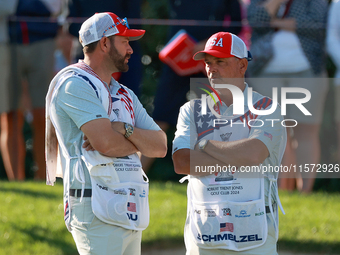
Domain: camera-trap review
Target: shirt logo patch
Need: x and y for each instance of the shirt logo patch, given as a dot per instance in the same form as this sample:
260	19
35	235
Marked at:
225	137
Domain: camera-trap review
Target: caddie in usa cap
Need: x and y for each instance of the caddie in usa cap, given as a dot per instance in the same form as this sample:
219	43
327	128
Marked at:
224	45
106	24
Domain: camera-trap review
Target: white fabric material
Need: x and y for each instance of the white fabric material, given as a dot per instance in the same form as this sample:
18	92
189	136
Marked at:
269	247
333	37
238	47
288	54
53	168
228	224
123	204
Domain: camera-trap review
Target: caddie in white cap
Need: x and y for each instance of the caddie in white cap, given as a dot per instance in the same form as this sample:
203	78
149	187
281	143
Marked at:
224	145
100	126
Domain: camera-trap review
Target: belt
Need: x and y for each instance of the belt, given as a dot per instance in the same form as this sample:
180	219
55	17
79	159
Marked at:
268	209
77	192
88	193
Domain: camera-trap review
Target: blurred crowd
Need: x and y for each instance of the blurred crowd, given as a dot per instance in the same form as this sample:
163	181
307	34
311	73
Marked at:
289	40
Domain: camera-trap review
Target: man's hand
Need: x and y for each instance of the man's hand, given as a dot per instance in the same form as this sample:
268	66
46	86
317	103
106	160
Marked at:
151	143
87	145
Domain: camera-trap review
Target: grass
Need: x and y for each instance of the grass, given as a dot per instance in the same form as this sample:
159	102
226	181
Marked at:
311	223
168	203
31	220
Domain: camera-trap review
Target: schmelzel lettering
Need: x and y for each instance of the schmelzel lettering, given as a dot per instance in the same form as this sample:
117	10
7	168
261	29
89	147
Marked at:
231	237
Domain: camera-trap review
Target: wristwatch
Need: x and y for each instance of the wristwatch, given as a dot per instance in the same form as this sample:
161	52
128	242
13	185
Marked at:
202	144
128	130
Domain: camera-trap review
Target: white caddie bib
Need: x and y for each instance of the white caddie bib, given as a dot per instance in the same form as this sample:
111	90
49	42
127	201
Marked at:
226	210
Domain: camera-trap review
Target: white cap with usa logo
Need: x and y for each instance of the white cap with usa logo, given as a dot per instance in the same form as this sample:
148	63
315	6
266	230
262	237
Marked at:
224	45
106	24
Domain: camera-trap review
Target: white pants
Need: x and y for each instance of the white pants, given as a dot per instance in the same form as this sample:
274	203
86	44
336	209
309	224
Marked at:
94	237
268	248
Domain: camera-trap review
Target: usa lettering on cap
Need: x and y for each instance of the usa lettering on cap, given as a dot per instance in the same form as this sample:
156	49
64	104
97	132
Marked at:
224	45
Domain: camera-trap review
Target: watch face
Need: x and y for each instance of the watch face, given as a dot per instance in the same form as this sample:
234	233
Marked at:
128	129
202	144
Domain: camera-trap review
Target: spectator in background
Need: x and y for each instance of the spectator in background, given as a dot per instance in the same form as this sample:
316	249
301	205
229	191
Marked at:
32	47
172	89
131	9
63	53
294	31
333	48
7	8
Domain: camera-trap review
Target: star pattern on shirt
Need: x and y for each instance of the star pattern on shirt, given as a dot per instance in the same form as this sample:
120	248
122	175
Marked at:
199	113
204	123
200	123
210	114
210	123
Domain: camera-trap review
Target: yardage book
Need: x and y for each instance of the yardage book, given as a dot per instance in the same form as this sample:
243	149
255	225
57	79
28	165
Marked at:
178	54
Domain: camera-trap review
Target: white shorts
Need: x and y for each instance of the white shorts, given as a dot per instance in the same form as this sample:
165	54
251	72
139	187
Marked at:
94	237
268	248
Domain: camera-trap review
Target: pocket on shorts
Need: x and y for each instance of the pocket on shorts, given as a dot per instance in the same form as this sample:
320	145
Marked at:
81	213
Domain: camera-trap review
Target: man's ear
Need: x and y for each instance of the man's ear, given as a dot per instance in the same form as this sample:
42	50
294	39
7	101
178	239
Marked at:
104	44
243	64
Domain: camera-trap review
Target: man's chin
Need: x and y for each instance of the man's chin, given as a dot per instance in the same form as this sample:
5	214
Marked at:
124	69
215	81
222	81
